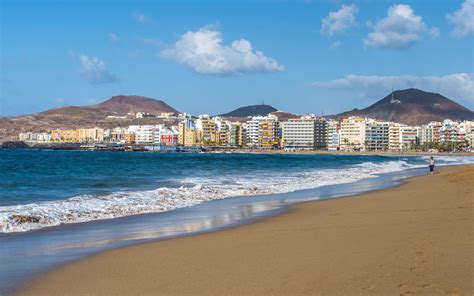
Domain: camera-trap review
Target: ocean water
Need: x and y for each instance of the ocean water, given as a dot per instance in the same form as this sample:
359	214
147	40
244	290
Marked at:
176	195
41	188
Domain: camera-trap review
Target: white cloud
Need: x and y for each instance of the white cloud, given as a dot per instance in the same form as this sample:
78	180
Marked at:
400	29
455	86
339	21
113	37
463	20
140	17
94	70
204	52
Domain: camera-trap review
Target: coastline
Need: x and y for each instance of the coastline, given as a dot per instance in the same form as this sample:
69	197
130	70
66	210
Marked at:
414	238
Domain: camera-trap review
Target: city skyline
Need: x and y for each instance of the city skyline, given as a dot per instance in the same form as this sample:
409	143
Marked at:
326	56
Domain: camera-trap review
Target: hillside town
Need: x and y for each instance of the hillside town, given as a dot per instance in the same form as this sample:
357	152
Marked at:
307	132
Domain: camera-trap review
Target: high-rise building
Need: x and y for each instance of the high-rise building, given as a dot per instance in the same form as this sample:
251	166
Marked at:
352	135
305	133
376	135
255	137
333	134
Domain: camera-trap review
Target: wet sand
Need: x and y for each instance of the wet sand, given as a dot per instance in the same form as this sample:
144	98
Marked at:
413	239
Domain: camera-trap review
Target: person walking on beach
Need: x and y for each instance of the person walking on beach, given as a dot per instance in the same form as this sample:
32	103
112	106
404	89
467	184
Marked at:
432	164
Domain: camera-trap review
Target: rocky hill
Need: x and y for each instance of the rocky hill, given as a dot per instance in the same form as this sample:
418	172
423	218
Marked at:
413	107
85	116
253	110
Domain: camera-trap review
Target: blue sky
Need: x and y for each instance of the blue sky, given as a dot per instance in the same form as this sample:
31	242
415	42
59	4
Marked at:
211	57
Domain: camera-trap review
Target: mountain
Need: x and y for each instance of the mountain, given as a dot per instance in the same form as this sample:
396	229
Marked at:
253	110
117	105
85	116
413	107
126	104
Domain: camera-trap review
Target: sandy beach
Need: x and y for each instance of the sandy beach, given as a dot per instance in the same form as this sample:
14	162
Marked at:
416	238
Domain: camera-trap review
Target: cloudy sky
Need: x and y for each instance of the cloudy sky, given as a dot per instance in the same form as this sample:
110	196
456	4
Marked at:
319	56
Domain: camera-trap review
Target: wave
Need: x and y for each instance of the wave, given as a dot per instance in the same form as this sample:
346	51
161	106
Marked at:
193	191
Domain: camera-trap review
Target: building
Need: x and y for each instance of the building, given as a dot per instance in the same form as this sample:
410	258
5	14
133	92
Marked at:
305	133
65	136
268	134
206	129
255	137
117	135
143	134
352	134
90	135
333	128
235	134
376	135
402	137
429	133
187	134
129	138
448	132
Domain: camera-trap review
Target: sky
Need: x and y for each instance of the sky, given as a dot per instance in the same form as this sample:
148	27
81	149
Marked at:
302	56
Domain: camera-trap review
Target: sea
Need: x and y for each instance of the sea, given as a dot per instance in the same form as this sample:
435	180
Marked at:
61	206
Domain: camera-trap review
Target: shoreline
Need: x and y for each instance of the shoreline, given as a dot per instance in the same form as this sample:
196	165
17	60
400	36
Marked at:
204	149
227	257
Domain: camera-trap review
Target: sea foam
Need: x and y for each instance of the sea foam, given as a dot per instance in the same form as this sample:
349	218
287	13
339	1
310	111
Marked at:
193	191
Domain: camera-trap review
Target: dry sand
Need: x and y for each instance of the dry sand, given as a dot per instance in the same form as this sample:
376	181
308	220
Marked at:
413	239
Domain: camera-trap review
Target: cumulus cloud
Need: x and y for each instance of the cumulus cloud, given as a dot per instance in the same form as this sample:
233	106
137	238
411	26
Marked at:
455	86
400	29
340	20
463	20
204	52
94	70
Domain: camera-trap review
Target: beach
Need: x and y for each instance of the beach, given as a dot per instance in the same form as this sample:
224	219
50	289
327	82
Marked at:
416	238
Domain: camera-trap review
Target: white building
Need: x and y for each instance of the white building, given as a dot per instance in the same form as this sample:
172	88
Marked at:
429	133
332	134
253	129
403	137
304	133
352	134
376	135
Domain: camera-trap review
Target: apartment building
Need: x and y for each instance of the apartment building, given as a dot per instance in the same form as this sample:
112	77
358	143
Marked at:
252	130
352	134
448	132
268	134
187	134
376	135
429	133
90	135
305	133
332	134
206	128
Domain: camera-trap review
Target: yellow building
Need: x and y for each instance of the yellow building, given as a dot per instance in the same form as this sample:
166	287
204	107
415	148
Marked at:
268	134
90	135
206	130
187	134
66	136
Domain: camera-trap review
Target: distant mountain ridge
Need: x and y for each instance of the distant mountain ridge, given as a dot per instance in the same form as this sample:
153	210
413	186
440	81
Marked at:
413	107
252	110
86	116
118	105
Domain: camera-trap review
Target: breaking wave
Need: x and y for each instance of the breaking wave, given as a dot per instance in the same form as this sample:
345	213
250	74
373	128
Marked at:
189	192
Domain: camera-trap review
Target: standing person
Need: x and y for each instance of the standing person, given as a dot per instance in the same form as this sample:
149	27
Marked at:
432	164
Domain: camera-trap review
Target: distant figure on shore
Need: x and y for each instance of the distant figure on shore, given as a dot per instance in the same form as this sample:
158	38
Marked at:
432	164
